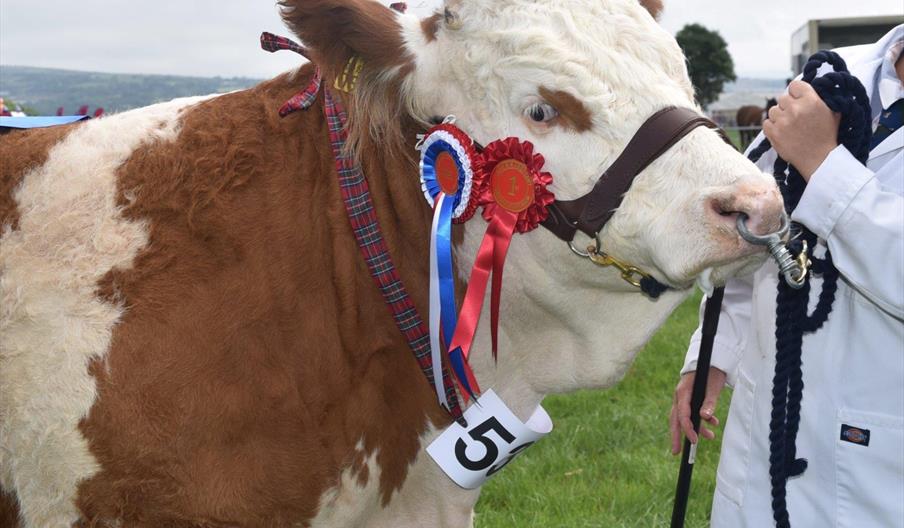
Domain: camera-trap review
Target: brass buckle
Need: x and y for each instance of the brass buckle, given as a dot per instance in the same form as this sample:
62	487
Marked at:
631	274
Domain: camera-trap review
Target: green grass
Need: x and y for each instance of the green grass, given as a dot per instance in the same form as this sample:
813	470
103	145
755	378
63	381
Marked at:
735	138
607	462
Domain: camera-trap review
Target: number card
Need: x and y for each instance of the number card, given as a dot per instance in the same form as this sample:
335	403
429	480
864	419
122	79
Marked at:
493	438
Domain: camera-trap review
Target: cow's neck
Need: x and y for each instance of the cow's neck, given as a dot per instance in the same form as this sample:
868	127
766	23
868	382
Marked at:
557	333
555	336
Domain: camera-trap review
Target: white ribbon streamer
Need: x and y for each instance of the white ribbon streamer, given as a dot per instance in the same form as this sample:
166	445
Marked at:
435	308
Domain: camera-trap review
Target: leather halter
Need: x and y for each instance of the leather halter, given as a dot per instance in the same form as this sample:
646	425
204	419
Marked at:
591	212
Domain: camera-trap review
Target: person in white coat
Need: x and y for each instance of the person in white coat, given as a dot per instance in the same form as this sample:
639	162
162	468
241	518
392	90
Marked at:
852	415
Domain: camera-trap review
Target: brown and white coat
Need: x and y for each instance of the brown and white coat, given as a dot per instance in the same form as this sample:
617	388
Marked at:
189	337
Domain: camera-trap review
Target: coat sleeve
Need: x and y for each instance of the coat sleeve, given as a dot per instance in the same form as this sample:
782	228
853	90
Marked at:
863	224
734	328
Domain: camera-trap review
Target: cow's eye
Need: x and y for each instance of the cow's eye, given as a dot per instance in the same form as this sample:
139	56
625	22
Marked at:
541	112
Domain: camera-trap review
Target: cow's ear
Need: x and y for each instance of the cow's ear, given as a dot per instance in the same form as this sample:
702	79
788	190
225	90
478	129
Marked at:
653	6
334	31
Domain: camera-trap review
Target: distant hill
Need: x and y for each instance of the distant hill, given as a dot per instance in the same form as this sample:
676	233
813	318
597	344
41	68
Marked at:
45	89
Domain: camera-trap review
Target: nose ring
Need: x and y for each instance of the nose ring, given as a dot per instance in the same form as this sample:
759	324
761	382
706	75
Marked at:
793	270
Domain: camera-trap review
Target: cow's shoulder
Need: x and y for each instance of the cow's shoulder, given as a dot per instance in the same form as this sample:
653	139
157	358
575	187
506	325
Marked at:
224	144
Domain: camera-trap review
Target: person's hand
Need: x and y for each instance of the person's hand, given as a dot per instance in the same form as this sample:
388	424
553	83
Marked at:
802	129
680	417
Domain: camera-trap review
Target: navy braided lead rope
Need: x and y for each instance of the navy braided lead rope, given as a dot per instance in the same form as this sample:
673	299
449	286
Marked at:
842	93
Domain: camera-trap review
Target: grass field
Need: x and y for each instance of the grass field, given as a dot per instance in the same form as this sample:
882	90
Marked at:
607	462
735	138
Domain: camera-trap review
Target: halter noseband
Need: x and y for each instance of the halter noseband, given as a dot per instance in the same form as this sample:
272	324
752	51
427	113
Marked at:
590	213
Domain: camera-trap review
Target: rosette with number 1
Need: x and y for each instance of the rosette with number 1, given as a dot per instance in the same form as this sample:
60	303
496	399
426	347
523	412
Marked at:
515	200
448	165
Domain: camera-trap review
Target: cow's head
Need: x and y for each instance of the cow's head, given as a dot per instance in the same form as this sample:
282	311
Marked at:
577	78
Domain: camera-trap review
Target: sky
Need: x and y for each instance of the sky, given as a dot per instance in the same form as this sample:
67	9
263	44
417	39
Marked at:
220	37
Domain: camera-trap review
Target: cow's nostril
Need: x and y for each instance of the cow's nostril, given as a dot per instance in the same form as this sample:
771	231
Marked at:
722	209
762	206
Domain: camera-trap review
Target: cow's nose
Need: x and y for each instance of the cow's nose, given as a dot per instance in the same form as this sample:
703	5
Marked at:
759	200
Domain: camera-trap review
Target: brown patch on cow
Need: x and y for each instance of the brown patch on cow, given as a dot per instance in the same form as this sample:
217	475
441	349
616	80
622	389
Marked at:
430	26
653	6
9	510
255	352
20	152
572	112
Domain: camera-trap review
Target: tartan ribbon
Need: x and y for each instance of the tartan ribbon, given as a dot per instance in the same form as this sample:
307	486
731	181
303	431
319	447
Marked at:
305	98
365	226
363	218
272	43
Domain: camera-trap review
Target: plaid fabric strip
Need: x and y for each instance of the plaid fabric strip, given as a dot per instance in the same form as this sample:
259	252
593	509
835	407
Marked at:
304	99
271	43
356	195
363	218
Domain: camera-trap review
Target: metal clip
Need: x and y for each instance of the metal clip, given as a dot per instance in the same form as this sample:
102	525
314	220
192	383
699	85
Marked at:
630	274
793	270
448	120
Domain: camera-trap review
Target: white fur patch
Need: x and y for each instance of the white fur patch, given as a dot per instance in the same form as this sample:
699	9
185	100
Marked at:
52	324
427	498
350	503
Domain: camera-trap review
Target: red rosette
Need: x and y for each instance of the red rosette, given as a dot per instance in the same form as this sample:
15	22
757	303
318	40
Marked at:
514	180
515	198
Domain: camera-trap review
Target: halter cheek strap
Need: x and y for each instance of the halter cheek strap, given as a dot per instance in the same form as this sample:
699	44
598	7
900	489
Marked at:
591	212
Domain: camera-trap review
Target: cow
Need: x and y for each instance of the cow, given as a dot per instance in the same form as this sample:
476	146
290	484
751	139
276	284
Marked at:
752	116
189	336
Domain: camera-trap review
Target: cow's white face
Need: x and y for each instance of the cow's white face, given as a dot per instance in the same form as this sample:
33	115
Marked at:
578	78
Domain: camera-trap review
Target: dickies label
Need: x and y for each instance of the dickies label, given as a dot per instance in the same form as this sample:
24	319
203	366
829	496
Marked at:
854	435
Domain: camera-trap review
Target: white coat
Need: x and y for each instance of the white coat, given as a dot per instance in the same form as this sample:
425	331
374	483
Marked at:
853	368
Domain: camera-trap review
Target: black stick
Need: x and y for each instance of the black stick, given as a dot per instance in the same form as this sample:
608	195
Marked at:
710	325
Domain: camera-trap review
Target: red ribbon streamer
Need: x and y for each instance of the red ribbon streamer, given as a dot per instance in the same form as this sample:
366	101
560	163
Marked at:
494	247
490	260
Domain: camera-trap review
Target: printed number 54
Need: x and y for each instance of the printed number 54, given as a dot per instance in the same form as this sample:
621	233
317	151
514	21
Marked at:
479	433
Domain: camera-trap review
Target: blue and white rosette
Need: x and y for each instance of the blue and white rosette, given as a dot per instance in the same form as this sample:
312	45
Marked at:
448	164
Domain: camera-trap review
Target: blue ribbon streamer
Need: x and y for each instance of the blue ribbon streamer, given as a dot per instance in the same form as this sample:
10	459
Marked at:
449	312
